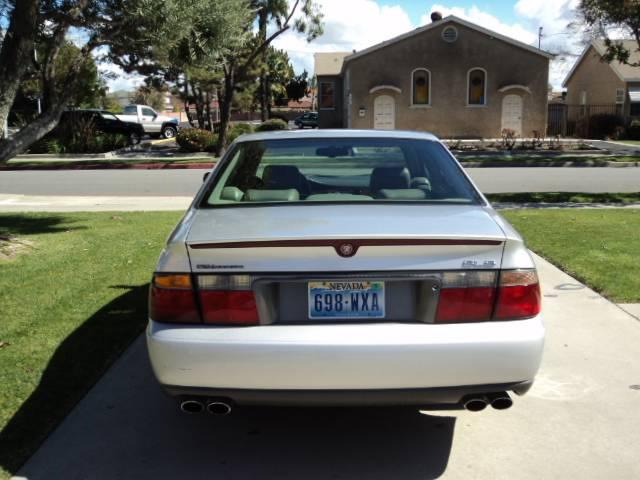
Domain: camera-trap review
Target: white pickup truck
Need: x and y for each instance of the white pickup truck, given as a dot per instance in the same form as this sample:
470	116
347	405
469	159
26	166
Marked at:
152	123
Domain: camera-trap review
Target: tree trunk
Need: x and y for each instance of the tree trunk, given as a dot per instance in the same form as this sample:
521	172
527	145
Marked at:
207	99
30	134
16	53
264	93
225	110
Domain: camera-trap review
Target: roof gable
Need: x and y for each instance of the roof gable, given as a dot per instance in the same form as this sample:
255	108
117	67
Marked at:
449	19
329	63
626	73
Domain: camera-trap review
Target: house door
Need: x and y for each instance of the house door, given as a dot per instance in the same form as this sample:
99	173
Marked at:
512	113
384	113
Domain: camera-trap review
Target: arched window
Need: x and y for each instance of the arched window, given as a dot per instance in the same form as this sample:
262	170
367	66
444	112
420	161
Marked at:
477	87
421	87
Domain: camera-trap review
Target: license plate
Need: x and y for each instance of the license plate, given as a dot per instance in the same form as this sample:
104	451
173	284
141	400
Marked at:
345	300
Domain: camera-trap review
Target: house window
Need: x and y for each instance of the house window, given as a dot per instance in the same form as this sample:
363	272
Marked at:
477	87
583	97
421	87
327	95
634	111
620	94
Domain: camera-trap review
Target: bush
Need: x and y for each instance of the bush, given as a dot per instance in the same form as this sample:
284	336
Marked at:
196	140
79	135
279	116
604	125
238	129
272	124
633	132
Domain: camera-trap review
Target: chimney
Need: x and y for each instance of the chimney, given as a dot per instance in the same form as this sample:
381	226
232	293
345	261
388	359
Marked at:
436	16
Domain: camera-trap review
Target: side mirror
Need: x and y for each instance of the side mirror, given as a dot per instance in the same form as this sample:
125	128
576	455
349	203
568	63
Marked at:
205	176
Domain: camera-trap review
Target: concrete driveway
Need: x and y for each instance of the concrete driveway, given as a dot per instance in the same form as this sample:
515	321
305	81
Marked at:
579	421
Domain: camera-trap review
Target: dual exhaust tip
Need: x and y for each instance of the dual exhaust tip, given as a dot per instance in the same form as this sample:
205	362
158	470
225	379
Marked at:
499	401
214	407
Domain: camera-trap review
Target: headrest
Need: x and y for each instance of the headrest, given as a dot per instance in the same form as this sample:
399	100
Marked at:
287	195
389	177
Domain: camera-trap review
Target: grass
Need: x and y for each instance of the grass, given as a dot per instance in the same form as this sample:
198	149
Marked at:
629	142
71	300
565	197
598	247
546	161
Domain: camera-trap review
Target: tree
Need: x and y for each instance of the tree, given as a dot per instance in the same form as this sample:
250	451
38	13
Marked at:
117	24
279	73
235	68
298	86
149	95
602	16
267	10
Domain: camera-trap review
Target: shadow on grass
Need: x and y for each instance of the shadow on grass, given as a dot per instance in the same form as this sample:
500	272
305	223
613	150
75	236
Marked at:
75	366
565	197
19	224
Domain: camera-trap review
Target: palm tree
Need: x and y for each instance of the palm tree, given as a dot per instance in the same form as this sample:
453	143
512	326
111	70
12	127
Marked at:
266	11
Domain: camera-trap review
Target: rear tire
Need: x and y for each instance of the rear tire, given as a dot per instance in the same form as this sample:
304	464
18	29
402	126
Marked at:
135	138
169	132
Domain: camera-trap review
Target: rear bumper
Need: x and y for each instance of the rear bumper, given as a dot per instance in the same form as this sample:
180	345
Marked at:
427	398
347	357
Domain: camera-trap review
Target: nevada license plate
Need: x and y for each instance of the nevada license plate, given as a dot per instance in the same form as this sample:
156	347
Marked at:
345	300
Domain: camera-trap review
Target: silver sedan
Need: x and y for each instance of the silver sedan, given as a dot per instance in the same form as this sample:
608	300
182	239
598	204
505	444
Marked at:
343	268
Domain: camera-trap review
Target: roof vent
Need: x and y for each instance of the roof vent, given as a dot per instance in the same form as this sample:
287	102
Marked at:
450	34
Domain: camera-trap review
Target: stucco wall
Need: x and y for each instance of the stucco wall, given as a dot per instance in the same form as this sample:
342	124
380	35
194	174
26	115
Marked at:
449	116
596	78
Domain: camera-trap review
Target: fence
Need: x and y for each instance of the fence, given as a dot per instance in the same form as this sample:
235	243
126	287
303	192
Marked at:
578	120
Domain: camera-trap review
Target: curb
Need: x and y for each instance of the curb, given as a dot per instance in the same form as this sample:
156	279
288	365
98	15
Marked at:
112	166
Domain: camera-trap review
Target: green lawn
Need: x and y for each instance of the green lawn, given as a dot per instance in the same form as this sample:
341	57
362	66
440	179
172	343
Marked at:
599	247
542	160
70	303
565	197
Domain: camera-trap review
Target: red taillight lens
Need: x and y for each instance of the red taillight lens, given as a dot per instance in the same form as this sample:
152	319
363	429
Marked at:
465	304
519	295
466	297
227	300
171	299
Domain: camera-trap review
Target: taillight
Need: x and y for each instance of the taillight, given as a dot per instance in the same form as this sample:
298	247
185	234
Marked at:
467	296
227	300
518	295
480	296
172	300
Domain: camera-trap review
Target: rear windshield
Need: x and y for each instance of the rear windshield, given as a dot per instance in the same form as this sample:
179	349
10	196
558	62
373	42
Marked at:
344	170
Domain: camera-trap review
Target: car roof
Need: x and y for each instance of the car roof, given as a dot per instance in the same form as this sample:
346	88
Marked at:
335	133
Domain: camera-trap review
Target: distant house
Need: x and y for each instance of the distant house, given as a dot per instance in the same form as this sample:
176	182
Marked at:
451	77
592	81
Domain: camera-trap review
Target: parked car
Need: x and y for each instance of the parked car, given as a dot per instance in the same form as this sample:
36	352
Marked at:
343	267
308	119
152	122
104	121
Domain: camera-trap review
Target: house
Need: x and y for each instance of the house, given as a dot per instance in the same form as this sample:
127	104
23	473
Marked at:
451	77
595	82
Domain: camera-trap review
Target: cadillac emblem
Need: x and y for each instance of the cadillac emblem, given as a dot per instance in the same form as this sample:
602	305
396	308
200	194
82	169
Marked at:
346	249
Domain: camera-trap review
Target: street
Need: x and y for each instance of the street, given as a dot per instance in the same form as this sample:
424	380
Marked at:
186	182
579	420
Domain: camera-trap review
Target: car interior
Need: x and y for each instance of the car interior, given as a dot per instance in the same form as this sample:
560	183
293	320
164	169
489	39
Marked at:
338	173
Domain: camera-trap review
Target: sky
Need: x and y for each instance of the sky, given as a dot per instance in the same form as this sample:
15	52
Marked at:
357	24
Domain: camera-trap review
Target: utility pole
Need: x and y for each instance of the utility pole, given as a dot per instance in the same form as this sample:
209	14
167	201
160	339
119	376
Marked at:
539	37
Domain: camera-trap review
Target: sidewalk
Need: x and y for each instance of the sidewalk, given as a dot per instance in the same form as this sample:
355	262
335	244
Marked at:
37	203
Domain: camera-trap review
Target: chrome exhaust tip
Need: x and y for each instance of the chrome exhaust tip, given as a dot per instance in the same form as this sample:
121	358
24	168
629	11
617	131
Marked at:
475	404
191	406
218	407
500	401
